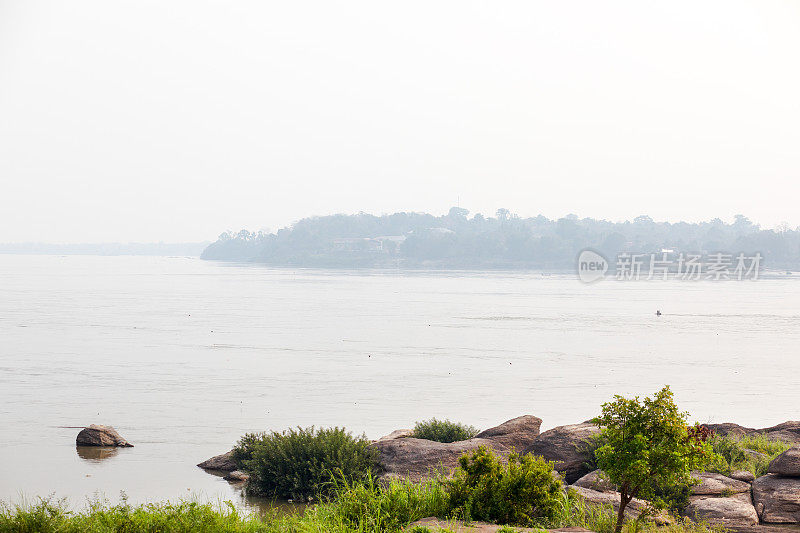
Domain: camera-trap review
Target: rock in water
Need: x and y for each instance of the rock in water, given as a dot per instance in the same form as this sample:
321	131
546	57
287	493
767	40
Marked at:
777	499
565	446
736	510
222	462
787	464
97	435
237	476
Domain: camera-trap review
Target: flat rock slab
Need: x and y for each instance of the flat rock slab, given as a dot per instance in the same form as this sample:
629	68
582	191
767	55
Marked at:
436	525
222	462
97	435
564	445
712	484
743	475
777	499
726	511
787	463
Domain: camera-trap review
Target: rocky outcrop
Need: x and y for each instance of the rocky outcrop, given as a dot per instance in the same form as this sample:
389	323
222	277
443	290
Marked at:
787	463
398	434
437	525
787	431
565	446
415	459
777	499
712	484
736	510
97	435
518	433
222	462
596	480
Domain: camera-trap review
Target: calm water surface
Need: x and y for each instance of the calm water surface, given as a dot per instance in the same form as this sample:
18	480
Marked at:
182	356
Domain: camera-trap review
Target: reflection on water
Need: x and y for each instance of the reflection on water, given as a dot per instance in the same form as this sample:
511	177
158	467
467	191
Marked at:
96	454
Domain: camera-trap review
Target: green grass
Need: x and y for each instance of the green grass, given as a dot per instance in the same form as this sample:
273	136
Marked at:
443	430
359	507
732	453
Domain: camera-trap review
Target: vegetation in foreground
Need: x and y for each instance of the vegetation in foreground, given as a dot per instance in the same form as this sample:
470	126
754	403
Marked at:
750	453
361	507
646	445
443	430
300	464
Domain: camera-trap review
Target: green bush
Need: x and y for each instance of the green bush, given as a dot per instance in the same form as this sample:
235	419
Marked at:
443	430
751	453
522	491
302	463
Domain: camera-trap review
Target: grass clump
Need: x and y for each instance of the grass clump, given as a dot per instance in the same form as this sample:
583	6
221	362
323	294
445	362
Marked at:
522	491
752	453
443	430
302	463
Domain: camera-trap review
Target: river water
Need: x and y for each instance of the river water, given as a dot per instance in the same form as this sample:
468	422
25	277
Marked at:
183	356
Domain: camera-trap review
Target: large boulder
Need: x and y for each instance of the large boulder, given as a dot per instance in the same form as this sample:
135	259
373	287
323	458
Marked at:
787	463
729	429
777	499
787	431
416	459
565	445
596	480
97	435
712	484
223	463
736	510
518	433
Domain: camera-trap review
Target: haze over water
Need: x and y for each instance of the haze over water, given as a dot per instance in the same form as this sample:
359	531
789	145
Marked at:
183	356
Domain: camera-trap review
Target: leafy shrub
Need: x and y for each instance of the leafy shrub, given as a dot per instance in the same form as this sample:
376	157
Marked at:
302	463
520	492
647	445
751	453
443	430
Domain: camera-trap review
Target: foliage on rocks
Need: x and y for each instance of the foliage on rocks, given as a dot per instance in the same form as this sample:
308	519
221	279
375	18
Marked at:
443	430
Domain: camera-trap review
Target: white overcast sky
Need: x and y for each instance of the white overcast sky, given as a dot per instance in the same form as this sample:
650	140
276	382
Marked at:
176	120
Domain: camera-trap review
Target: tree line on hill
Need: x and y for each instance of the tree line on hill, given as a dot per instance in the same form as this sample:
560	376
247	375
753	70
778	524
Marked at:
457	240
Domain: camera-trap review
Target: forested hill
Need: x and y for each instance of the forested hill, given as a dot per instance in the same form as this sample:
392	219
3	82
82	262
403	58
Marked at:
458	240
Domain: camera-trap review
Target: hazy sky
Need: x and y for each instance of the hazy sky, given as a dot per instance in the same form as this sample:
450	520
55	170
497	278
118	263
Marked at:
176	120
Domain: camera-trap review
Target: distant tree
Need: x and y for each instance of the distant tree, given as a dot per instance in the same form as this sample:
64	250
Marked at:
502	213
646	445
458	212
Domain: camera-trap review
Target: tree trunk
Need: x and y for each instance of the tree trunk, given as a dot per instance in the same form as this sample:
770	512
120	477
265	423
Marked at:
623	502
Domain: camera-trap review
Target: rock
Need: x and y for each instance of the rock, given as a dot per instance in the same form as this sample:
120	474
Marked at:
398	434
787	463
743	475
632	510
730	429
787	431
518	433
222	462
729	511
712	484
563	445
236	476
415	459
596	481
97	435
777	499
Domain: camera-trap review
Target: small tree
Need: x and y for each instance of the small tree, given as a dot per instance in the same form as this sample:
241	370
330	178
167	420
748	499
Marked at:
647	444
